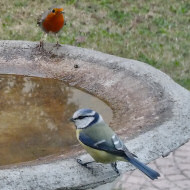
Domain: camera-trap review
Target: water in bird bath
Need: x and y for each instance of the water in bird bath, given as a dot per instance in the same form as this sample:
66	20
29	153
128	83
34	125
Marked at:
34	117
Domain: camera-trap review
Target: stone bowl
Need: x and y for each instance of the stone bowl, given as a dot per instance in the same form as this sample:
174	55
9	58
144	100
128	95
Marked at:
151	112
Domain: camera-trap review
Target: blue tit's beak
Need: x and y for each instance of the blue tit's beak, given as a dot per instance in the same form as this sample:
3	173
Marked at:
71	119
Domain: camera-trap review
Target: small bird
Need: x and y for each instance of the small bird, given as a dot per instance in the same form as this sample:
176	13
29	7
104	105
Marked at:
102	143
51	21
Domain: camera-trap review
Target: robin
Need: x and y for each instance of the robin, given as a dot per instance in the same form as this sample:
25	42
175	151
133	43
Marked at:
51	21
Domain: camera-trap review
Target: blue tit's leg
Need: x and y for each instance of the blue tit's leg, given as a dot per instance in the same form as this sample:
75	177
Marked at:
114	166
84	164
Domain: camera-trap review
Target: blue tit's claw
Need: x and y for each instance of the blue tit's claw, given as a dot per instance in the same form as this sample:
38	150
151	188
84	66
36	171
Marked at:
84	164
114	166
81	163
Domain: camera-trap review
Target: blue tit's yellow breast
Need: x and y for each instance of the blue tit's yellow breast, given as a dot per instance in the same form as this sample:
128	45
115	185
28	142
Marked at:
77	133
98	155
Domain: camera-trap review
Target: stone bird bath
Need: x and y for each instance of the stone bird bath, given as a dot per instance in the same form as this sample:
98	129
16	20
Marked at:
151	112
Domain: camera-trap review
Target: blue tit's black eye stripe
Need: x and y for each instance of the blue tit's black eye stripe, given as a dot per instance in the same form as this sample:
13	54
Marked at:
84	116
81	117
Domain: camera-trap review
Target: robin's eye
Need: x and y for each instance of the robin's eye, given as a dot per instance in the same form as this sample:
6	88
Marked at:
53	11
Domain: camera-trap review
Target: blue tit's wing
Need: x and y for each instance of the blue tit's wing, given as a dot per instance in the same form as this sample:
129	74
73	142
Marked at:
100	144
119	145
116	146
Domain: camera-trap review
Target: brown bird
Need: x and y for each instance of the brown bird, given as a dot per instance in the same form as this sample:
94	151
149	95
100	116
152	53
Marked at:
51	21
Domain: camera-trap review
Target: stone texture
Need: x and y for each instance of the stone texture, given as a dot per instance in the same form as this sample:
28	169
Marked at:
171	179
152	111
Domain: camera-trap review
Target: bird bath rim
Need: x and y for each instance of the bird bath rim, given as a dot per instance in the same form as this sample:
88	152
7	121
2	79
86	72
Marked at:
166	106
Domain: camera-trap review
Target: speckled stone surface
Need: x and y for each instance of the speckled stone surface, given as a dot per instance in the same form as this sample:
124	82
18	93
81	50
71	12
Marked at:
153	112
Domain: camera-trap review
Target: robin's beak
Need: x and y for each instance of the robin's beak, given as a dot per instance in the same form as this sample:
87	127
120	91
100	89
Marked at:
62	12
71	119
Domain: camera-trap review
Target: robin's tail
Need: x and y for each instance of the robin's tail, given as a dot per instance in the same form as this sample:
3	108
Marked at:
143	168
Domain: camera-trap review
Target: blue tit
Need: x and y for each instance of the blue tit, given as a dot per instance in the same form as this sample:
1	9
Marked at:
102	143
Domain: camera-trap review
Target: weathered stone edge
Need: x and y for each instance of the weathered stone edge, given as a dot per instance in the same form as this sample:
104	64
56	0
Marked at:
158	142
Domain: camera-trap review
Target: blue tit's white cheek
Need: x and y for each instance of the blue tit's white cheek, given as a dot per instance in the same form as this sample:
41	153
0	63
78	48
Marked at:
82	123
100	119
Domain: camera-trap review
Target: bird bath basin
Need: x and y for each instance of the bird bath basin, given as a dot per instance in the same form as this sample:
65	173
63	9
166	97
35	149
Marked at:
34	116
150	112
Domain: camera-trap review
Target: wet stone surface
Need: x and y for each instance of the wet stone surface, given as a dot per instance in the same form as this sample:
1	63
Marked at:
34	117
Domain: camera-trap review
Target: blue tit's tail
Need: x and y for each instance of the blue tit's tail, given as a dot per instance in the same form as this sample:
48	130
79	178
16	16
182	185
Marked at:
143	168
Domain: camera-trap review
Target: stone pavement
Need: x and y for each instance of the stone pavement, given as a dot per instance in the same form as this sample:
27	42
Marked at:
174	170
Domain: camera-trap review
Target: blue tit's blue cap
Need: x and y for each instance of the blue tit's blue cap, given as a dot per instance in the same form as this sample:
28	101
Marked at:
83	112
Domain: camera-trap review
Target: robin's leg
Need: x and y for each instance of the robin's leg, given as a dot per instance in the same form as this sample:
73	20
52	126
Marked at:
57	39
43	38
114	166
41	46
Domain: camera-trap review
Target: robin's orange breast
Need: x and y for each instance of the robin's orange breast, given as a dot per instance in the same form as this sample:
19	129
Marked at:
53	23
